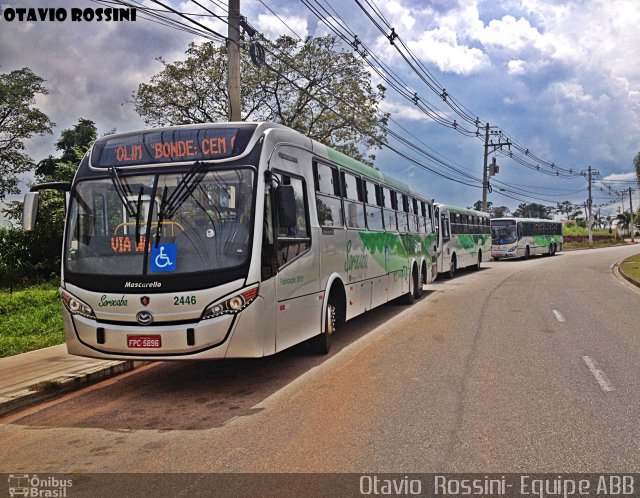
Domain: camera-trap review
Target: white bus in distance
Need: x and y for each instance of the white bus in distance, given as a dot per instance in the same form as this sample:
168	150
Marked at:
230	240
523	237
464	238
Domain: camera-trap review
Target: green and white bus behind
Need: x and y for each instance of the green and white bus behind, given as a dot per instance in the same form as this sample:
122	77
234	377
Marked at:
230	240
524	237
464	238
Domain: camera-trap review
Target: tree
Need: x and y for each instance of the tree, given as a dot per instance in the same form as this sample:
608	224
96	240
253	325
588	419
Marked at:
636	165
500	212
478	206
623	221
532	210
609	222
42	258
19	121
564	207
309	85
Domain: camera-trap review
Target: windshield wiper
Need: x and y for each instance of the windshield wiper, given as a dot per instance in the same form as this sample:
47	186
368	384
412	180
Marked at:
138	210
183	190
161	215
120	190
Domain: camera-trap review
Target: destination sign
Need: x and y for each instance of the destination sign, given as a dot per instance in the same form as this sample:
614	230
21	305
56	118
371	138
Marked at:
170	146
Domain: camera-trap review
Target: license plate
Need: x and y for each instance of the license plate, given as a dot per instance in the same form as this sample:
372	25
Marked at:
143	341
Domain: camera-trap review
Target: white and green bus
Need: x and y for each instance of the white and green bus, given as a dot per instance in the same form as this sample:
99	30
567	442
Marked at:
464	238
524	237
230	240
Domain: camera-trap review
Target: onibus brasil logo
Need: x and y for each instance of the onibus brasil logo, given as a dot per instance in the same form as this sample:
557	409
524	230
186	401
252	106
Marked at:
40	487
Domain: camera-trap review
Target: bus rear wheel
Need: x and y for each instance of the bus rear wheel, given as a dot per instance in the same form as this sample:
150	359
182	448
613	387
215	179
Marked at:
552	250
527	253
479	263
321	344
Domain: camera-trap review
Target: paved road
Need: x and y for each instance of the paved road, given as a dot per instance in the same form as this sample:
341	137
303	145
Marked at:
524	366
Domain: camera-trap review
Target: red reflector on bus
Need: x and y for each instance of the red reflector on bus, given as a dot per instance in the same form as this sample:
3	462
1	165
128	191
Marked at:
250	294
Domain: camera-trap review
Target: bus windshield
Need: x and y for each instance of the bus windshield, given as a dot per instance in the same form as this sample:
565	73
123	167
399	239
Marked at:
503	232
149	224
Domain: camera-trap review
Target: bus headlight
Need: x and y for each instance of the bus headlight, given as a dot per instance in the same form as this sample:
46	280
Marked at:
75	306
231	305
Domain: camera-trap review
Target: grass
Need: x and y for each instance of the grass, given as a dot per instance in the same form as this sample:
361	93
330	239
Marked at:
30	319
585	244
631	267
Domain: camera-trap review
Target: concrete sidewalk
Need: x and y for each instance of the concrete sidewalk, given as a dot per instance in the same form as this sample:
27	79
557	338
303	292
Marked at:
30	378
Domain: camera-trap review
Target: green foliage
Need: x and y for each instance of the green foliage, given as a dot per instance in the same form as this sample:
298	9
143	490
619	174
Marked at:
287	90
636	165
30	319
19	120
27	257
36	255
532	210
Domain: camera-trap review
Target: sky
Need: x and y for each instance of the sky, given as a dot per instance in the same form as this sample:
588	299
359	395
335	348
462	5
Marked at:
558	78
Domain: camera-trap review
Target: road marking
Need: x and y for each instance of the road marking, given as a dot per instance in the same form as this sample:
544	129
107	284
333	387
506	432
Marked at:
559	316
605	384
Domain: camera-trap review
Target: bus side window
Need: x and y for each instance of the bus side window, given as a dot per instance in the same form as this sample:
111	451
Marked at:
353	205
293	241
390	204
373	208
403	212
328	201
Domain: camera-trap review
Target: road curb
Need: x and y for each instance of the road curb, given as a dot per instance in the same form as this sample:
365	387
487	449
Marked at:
49	389
625	276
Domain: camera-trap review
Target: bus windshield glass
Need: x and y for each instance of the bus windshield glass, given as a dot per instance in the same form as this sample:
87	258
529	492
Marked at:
161	223
503	232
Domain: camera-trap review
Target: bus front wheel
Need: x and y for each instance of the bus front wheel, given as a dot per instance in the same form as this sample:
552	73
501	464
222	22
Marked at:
452	267
410	296
479	263
418	277
527	253
321	344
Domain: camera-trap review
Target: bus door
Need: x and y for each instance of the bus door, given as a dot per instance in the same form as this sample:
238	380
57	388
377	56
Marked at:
297	282
445	236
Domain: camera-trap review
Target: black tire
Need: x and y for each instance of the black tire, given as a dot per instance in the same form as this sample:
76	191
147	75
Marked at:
321	344
419	282
496	258
452	267
552	251
410	296
479	263
527	254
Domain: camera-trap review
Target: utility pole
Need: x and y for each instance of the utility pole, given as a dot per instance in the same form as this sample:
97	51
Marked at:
485	169
589	202
631	217
589	175
233	49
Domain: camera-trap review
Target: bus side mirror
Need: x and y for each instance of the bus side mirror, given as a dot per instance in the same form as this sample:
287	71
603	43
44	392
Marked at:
286	206
30	211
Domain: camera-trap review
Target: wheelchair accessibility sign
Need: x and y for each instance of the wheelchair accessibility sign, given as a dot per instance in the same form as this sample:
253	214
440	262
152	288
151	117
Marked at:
164	257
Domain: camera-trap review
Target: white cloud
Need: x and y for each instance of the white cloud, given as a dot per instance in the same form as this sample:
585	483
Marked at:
625	177
517	67
272	27
402	111
509	33
440	47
